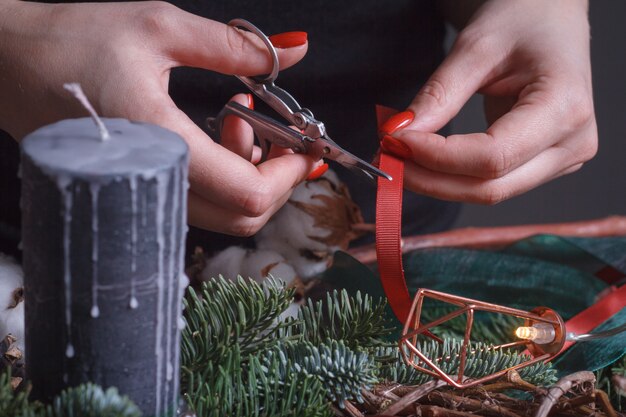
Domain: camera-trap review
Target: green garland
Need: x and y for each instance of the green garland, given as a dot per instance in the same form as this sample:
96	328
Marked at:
240	357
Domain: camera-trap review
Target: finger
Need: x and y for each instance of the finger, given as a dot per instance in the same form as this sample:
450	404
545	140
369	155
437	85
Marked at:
209	216
219	175
224	178
458	77
543	168
237	135
256	155
194	41
532	126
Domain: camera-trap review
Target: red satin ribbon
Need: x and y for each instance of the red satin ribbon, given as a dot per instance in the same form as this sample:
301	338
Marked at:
596	314
389	250
389	229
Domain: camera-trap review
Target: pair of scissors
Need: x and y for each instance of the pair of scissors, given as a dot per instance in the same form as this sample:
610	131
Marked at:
310	138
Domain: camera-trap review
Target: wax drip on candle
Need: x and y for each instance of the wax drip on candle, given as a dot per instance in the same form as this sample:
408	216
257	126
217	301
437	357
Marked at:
77	92
183	281
162	180
94	189
64	186
172	276
144	209
133	304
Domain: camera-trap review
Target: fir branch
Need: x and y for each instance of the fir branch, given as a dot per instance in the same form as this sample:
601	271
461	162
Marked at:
228	313
357	321
247	388
482	360
90	400
343	372
12	403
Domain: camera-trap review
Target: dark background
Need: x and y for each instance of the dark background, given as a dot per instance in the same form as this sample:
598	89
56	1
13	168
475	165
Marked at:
598	189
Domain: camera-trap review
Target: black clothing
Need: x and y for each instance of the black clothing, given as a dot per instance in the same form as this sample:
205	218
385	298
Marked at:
361	53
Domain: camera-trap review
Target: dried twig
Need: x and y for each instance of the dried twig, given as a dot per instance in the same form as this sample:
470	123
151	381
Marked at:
500	236
602	399
373	403
364	227
515	378
351	410
490	408
564	385
512	380
336	411
413	396
436	411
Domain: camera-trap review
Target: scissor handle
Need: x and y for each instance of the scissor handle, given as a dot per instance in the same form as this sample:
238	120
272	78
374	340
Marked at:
266	129
244	24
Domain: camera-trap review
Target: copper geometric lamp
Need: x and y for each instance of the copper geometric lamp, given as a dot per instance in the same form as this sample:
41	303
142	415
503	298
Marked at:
543	334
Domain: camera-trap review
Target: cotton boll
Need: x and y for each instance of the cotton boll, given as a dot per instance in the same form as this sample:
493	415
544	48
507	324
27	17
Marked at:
11	299
13	323
226	263
249	263
259	264
316	222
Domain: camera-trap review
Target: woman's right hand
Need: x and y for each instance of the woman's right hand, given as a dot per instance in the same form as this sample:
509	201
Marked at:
122	55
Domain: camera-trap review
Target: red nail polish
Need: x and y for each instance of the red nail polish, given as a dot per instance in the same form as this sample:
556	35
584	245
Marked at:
288	39
317	172
250	101
397	122
396	147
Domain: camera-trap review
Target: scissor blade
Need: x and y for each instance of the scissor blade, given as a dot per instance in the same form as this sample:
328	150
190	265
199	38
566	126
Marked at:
331	150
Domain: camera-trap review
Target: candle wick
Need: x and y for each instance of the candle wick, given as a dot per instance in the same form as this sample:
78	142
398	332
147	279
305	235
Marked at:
77	92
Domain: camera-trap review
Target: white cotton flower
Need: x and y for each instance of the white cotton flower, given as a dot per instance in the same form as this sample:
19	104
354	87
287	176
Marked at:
226	263
249	263
259	264
11	299
316	222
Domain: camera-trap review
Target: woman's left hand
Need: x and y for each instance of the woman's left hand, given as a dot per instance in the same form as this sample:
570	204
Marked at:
530	59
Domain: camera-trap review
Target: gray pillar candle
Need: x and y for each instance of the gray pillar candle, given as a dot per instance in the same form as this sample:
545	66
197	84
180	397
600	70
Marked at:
103	241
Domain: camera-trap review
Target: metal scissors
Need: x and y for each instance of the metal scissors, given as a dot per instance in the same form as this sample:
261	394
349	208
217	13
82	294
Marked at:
312	138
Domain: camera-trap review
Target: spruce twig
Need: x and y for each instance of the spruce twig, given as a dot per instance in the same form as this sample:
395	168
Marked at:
357	321
226	313
483	360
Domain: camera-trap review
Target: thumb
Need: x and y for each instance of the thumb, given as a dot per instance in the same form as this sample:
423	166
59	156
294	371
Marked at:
458	77
194	41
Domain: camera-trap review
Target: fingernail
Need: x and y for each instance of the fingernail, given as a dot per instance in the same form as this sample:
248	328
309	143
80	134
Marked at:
250	101
396	122
317	172
288	39
396	147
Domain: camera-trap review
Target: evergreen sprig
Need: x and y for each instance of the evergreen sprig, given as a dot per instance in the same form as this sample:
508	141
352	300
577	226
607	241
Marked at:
89	400
246	387
358	321
12	403
228	313
343	372
482	359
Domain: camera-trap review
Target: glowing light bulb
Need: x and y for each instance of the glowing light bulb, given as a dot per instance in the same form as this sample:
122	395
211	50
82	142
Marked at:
539	333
